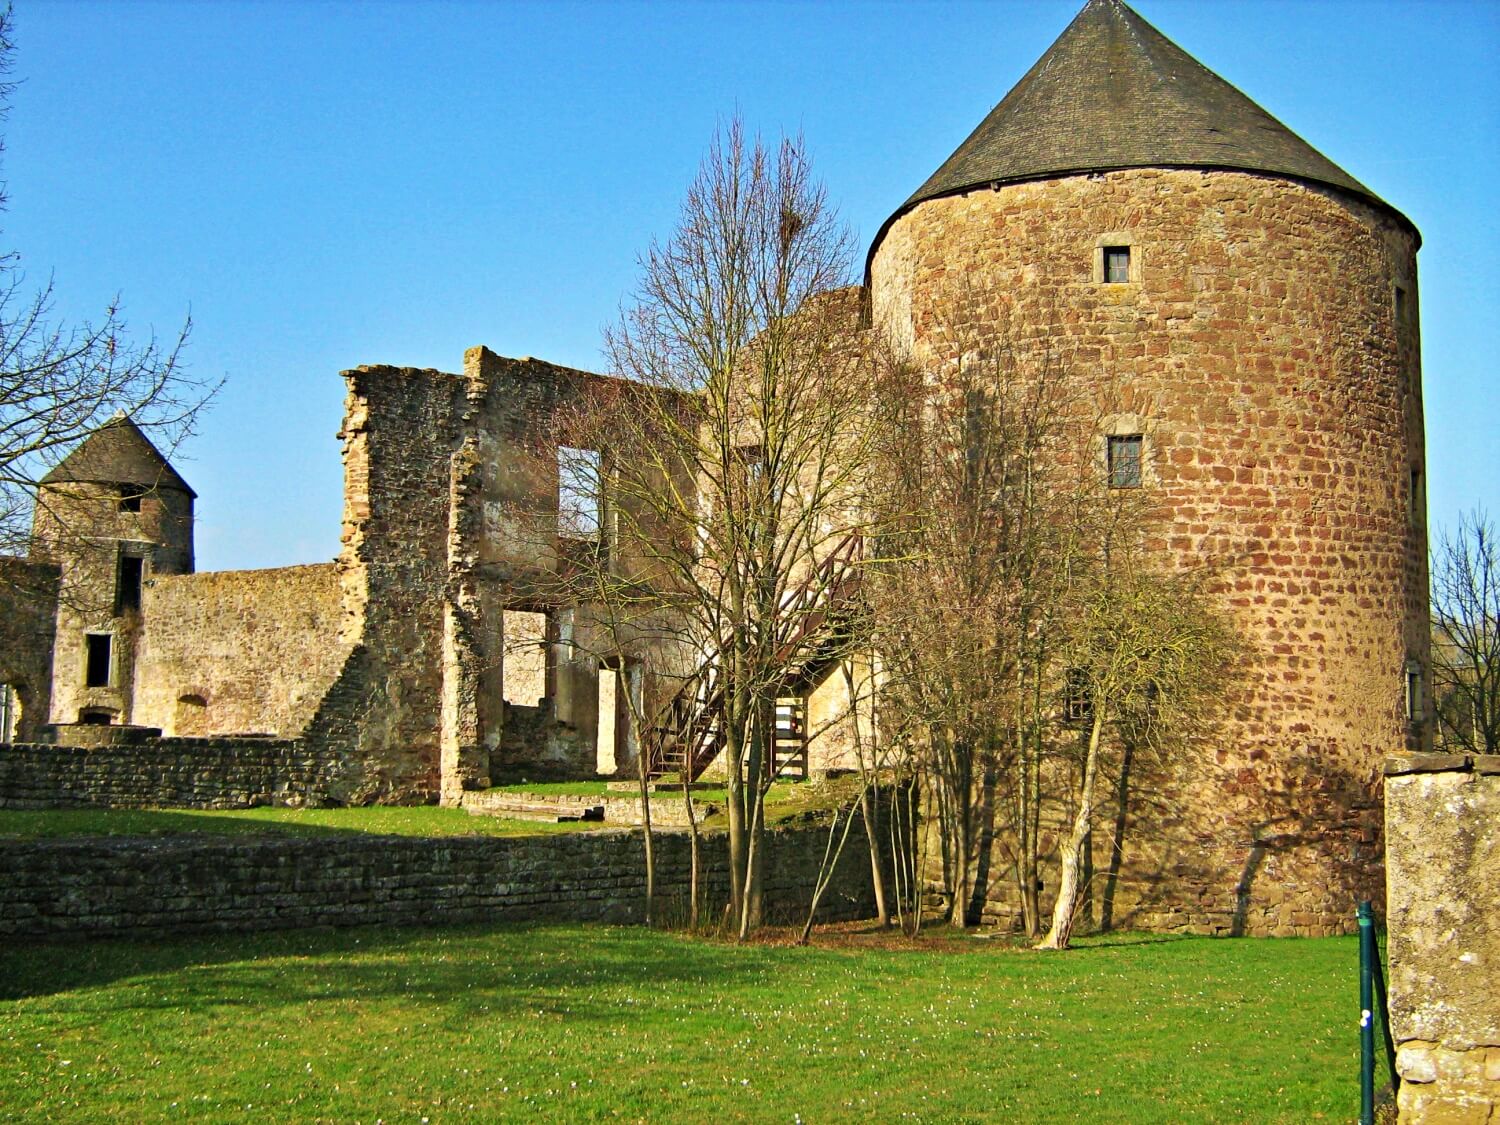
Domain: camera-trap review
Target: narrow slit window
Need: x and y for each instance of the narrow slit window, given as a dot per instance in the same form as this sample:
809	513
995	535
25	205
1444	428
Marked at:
1124	455
1414	692
97	659
1414	496
1117	265
1400	305
128	588
580	508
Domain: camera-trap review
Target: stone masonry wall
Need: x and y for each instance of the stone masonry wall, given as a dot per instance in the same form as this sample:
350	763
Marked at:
97	887
1443	913
240	651
198	773
28	611
382	714
1258	349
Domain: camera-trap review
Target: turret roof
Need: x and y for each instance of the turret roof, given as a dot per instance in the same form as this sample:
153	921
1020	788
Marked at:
118	453
1113	92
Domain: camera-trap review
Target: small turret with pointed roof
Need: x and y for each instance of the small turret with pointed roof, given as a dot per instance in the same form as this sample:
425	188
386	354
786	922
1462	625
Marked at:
1112	93
118	452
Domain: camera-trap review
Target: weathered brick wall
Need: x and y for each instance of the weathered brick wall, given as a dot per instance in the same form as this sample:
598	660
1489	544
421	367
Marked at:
173	885
28	612
259	648
200	773
1443	913
1259	352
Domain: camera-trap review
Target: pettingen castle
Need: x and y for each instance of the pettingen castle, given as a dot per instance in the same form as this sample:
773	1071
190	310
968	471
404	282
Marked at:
1257	304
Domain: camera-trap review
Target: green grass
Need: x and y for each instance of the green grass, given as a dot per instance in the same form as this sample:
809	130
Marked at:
381	820
571	1023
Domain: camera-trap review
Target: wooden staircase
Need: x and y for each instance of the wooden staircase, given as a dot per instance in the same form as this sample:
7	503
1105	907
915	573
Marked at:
691	733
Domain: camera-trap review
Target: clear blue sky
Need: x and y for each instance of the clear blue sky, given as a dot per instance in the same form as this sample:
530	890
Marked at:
330	184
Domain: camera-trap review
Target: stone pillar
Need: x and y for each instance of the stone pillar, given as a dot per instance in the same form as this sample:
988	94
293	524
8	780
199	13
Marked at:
1442	821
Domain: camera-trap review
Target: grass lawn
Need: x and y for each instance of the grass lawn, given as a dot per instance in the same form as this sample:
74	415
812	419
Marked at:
569	1023
383	820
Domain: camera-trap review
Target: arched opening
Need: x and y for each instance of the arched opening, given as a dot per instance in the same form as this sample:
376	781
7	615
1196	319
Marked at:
191	719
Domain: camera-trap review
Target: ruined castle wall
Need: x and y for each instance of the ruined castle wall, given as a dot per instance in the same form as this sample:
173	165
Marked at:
28	611
1443	916
1261	349
382	714
238	652
96	888
193	773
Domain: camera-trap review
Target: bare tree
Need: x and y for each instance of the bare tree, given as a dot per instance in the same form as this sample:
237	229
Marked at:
1466	636
59	383
1143	655
730	460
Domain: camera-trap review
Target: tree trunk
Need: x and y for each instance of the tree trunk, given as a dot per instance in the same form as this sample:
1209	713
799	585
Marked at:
644	774
692	818
877	876
1064	912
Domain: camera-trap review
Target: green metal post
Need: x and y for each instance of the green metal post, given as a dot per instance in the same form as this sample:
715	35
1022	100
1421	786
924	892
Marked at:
1366	1015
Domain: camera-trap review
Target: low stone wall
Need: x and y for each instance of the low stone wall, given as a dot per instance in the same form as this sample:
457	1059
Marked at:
137	887
1442	816
196	773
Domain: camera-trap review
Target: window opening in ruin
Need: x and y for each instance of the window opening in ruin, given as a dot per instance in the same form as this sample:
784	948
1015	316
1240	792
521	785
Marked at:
1400	305
130	503
98	652
524	671
1124	453
1414	496
1413	692
611	703
1078	702
96	717
580	508
10	712
1117	265
128	584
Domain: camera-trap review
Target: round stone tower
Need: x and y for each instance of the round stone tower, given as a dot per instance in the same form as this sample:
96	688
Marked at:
1249	312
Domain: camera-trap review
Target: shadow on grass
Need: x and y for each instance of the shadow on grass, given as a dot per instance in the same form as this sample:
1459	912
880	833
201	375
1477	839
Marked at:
493	968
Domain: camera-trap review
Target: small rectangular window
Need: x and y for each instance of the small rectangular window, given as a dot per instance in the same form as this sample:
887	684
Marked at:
1414	496
1400	303
580	509
1117	265
1078	702
128	587
130	503
1125	461
97	659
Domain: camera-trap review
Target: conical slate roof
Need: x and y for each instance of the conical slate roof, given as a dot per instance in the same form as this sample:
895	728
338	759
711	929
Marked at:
118	453
1113	92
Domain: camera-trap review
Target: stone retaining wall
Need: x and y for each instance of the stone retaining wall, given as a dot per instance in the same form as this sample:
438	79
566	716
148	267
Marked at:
1442	815
196	773
103	887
